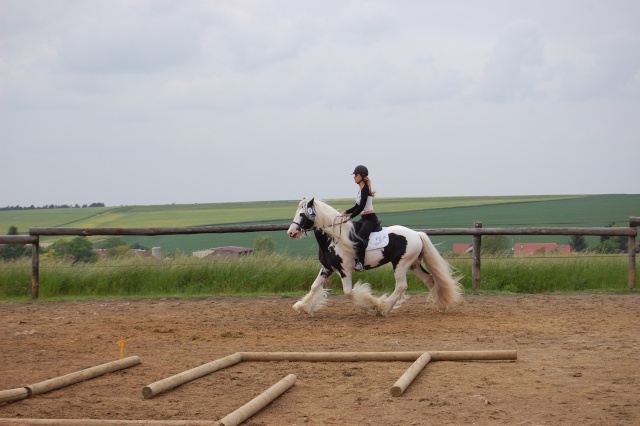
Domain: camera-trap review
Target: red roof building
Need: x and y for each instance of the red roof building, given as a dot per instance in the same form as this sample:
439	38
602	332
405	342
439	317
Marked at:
462	248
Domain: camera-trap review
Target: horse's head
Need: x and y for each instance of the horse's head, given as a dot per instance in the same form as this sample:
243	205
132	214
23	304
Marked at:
304	219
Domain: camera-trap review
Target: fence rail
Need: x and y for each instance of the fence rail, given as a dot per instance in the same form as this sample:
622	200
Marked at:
477	232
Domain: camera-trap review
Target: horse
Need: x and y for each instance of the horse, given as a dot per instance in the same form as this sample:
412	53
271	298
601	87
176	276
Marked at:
406	250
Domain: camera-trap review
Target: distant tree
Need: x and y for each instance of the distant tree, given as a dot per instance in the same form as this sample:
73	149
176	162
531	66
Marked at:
495	244
612	244
265	244
79	249
578	243
14	251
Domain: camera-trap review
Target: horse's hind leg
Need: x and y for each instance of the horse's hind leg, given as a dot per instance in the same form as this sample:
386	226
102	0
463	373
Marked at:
398	297
317	296
423	274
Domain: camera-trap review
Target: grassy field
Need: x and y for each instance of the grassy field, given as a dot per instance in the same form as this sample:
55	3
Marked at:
290	276
417	213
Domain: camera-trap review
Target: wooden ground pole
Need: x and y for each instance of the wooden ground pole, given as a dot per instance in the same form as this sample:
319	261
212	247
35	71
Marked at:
259	402
155	388
79	376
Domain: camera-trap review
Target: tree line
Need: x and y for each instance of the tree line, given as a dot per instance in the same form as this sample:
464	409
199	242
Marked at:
53	206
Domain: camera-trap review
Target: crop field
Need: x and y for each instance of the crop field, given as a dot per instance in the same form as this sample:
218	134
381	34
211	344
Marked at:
417	213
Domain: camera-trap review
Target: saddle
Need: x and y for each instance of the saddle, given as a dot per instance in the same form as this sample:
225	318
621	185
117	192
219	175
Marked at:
378	238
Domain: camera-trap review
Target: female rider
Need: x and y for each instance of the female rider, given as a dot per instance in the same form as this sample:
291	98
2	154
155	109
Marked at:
363	207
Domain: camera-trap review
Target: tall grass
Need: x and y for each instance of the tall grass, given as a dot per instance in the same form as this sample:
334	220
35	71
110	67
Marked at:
543	274
279	274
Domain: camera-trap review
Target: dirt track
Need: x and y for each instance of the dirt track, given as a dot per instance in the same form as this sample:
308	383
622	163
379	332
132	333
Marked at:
577	360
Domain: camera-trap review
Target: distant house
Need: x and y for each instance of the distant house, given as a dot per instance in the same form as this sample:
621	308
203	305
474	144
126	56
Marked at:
540	248
462	248
223	251
143	254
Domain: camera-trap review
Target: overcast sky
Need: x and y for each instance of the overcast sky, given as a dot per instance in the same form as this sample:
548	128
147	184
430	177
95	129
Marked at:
158	102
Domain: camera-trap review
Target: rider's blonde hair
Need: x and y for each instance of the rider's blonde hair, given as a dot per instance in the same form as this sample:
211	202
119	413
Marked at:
367	182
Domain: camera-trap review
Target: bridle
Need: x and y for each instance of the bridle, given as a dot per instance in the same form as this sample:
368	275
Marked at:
308	221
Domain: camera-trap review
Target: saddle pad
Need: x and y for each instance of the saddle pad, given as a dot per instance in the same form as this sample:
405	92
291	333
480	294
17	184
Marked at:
378	240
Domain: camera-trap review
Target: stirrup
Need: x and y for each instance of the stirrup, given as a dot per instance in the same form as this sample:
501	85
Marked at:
359	266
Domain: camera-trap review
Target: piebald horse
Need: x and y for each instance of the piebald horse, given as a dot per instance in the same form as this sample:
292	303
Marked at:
406	249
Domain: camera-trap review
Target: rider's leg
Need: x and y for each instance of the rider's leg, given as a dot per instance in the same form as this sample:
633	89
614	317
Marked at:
361	244
360	250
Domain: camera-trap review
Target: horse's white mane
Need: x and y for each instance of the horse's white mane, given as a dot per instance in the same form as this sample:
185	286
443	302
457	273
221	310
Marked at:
329	220
324	213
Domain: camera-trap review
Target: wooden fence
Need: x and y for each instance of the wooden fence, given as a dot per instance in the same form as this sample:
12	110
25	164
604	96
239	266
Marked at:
477	232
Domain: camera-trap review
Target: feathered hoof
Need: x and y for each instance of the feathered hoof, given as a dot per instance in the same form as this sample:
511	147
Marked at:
383	306
299	307
311	302
399	303
363	299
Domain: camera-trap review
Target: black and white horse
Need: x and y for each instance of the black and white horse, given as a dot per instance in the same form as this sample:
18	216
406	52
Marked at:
405	250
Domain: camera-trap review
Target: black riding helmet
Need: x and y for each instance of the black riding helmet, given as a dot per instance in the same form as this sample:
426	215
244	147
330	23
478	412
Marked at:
362	170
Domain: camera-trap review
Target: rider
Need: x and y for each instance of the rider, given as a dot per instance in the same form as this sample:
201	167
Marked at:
364	207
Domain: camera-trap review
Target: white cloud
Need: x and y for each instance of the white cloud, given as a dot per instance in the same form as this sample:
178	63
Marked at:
193	93
613	64
514	65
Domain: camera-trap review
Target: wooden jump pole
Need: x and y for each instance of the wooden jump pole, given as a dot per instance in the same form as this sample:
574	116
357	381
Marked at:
329	356
378	356
13	394
79	376
491	355
259	402
412	372
155	388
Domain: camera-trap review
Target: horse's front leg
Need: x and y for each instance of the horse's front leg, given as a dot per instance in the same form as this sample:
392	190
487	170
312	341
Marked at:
317	296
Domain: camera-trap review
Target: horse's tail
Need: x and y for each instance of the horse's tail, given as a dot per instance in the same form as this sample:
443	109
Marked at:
446	290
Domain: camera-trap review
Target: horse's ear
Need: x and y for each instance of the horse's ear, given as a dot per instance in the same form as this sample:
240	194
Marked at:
310	203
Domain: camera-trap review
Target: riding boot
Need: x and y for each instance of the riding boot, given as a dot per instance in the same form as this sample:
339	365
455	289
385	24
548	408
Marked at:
360	249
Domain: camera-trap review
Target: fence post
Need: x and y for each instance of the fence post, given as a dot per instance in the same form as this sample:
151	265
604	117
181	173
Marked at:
35	268
633	223
475	266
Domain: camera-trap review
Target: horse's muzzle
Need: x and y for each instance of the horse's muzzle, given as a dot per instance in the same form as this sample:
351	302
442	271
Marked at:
294	231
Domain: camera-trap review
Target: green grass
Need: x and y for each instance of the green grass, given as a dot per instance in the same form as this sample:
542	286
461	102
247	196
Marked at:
279	274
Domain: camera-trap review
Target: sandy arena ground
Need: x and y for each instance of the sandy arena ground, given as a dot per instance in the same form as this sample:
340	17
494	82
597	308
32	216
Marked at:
577	360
